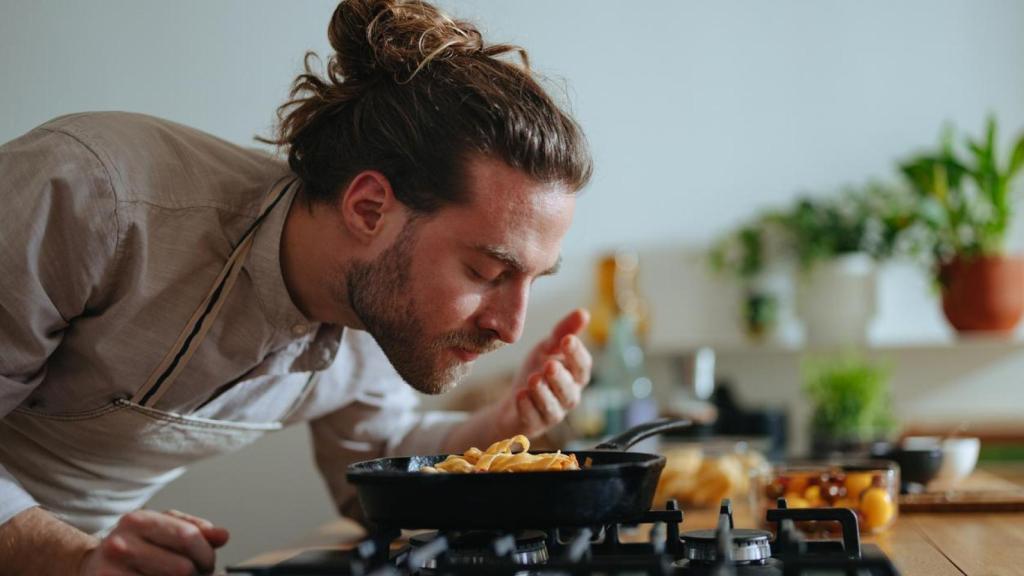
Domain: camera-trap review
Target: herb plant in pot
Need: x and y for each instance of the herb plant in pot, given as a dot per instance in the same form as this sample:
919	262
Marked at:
850	402
967	205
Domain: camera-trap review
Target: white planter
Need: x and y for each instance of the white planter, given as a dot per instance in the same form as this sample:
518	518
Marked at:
836	301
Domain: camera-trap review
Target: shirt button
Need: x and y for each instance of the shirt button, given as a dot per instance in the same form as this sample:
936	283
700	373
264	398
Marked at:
300	329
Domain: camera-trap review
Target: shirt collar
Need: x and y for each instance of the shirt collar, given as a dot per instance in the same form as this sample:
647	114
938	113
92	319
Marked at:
264	264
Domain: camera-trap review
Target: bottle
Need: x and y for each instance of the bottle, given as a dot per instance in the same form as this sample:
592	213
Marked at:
623	374
621	394
616	293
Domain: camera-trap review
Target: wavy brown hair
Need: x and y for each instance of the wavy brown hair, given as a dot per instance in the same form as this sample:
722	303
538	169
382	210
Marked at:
412	93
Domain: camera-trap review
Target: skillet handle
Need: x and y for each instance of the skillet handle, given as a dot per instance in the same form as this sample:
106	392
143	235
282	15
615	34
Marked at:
623	441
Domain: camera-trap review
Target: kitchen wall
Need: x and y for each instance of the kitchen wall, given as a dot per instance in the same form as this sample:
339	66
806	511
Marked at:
699	114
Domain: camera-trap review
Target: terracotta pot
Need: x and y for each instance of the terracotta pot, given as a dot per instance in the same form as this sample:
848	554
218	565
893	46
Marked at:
983	294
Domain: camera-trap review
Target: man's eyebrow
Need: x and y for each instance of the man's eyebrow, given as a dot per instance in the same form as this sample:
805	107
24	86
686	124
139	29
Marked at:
510	261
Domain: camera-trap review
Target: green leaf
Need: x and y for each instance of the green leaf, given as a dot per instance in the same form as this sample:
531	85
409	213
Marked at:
990	136
850	396
1016	160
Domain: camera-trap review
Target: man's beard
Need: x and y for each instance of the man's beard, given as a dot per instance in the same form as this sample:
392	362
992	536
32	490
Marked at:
380	293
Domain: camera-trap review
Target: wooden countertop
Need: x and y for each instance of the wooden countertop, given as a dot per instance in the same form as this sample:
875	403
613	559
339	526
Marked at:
931	544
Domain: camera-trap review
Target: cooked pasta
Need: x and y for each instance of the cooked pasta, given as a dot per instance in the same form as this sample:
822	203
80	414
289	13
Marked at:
499	457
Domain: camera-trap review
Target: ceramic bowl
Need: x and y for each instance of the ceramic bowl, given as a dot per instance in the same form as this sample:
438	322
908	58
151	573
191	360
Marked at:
918	466
959	455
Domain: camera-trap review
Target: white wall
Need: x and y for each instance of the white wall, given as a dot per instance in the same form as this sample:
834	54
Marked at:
699	113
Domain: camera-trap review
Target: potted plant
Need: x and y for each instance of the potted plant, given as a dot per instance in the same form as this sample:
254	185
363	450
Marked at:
837	242
966	206
746	254
850	403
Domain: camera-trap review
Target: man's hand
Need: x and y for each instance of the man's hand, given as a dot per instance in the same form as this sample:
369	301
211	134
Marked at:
148	542
550	382
548	385
144	542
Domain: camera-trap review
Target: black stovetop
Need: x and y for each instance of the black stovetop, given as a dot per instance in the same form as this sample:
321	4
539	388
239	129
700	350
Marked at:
724	551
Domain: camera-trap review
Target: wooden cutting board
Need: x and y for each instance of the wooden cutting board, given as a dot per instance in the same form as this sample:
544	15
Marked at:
980	492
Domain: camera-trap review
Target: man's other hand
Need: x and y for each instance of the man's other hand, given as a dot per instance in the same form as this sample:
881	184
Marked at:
156	543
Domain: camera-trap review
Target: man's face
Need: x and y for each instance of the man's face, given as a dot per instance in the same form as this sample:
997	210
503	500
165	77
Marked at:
455	285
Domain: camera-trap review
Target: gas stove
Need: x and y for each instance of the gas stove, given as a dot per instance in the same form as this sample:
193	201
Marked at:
722	551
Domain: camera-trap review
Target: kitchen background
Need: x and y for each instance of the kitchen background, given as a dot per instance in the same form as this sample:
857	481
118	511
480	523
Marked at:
700	114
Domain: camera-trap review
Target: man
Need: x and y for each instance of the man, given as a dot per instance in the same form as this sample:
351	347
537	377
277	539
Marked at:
167	296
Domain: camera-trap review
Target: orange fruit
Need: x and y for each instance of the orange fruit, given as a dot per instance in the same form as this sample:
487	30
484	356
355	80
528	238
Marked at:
796	501
857	482
878	508
813	495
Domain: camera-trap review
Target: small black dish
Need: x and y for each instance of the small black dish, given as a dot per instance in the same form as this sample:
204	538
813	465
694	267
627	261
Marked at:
918	466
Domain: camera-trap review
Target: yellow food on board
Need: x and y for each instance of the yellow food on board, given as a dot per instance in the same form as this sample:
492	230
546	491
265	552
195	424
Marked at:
693	478
499	457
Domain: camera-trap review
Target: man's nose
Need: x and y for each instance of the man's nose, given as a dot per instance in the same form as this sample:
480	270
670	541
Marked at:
506	314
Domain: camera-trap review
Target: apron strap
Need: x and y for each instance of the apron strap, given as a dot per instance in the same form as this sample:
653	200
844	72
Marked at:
204	316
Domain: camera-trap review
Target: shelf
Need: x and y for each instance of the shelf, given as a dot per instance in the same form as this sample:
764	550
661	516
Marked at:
990	342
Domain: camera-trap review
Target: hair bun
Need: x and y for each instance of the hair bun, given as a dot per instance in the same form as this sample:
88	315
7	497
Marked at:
395	37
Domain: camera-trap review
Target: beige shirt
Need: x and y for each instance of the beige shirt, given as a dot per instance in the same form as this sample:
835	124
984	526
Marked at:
113	227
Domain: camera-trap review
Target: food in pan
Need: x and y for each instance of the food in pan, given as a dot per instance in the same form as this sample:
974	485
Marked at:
499	457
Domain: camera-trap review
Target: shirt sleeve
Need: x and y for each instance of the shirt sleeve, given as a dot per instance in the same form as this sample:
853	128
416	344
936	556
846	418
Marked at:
379	420
58	238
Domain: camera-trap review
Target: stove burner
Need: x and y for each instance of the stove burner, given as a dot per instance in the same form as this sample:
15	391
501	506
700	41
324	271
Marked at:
748	546
725	551
477	547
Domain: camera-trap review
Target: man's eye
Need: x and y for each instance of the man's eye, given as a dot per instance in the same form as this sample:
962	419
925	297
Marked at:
481	277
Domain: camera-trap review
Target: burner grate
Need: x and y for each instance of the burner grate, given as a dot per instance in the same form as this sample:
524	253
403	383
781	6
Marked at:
724	551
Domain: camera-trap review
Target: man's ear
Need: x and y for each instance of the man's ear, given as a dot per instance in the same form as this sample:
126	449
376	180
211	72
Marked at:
367	203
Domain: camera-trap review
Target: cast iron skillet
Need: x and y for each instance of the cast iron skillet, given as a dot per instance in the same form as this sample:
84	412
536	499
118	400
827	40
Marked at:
619	486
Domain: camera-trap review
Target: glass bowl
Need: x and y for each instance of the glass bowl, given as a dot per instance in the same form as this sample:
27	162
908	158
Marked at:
868	487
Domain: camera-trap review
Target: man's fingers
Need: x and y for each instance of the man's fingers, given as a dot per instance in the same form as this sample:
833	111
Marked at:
186	537
550	408
562	383
573	323
156	561
131	550
577	358
215	535
529	417
114	554
200	522
174	534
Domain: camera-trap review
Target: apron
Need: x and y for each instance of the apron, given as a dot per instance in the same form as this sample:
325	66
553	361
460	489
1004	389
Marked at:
92	467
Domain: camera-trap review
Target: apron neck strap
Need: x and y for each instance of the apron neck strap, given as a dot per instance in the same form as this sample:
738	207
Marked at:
202	319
